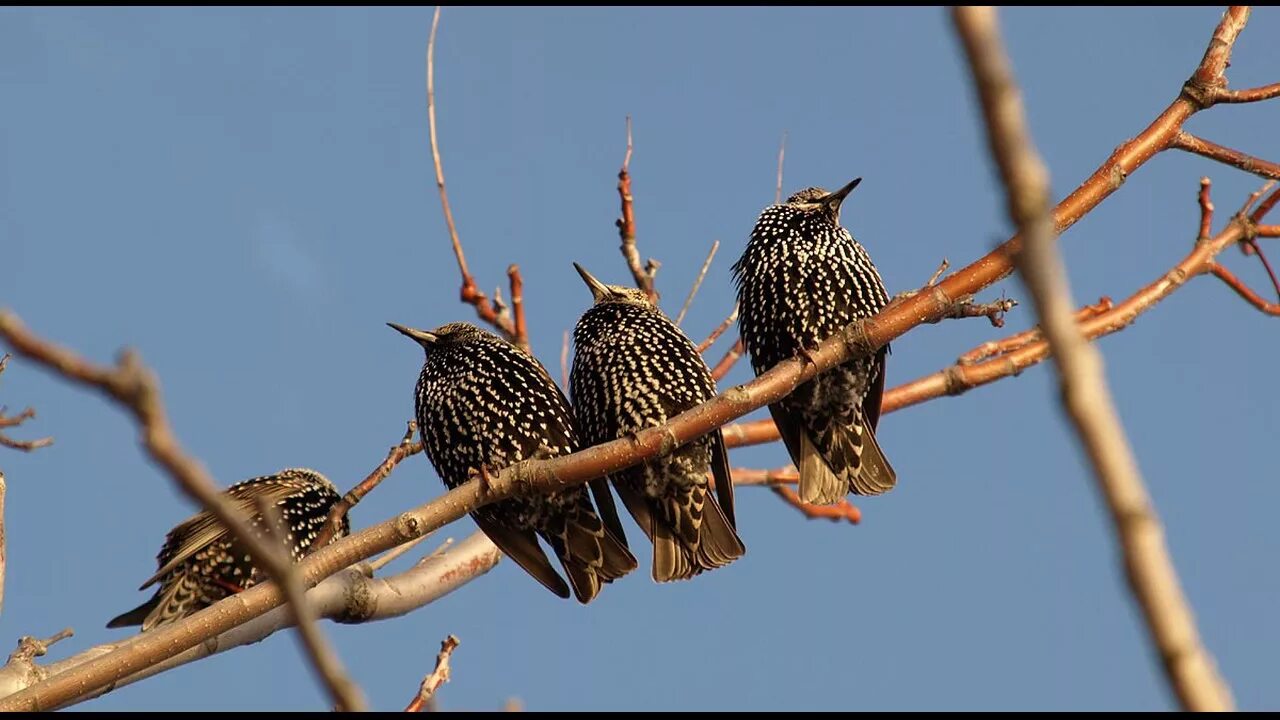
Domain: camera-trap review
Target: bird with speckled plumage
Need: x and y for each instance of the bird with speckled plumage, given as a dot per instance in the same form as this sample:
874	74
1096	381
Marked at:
635	369
483	404
201	563
801	279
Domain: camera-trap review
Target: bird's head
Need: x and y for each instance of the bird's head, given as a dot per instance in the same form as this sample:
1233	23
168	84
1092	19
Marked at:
602	293
455	332
818	200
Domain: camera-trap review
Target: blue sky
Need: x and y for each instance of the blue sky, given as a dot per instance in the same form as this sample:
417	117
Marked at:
246	196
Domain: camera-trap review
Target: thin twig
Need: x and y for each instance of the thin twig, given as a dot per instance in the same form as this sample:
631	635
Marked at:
470	293
1206	209
705	345
841	511
16	420
564	361
1265	92
517	306
992	311
1257	249
993	348
697	283
387	557
407	447
1190	669
1244	291
726	363
782	153
942	268
1184	140
627	228
319	652
30	648
754	476
437	677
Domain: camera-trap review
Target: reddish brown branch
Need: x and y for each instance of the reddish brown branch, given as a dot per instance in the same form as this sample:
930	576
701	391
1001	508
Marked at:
517	307
1265	92
754	432
1267	231
1183	140
1013	342
470	293
1244	291
407	447
705	345
754	476
1264	207
1209	80
726	363
437	677
627	228
841	511
1206	210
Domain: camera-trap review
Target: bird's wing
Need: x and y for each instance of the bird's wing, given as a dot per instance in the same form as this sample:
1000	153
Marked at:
203	529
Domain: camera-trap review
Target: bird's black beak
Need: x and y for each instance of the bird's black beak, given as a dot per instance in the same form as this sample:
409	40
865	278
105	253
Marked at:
422	337
598	289
834	200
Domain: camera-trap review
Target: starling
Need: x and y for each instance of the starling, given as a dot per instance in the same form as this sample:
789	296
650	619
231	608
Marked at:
800	280
483	404
634	369
201	563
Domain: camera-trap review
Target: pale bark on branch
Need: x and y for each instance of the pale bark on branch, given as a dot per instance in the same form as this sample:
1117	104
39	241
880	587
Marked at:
1189	667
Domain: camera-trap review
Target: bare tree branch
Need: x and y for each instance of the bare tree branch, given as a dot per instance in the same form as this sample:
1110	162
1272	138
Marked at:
727	362
842	511
1244	291
351	596
1190	143
705	345
1265	92
134	387
782	153
16	420
858	339
697	283
1191	671
316	647
436	678
407	447
643	275
470	293
517	307
564	361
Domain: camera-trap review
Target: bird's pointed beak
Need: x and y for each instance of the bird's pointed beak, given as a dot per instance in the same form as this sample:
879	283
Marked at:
598	289
422	337
834	200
